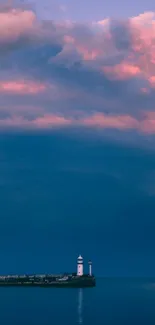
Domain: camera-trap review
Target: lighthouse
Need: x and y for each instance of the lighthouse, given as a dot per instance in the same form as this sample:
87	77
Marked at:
90	267
80	266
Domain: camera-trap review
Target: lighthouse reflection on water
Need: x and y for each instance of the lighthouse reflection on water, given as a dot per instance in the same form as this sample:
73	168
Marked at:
80	306
80	291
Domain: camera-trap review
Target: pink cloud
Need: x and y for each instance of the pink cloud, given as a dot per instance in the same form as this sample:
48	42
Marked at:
87	54
111	121
43	122
152	81
15	23
22	87
51	120
87	50
139	59
145	125
122	71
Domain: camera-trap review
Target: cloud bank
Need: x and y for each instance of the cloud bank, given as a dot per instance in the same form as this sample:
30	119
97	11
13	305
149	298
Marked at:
66	74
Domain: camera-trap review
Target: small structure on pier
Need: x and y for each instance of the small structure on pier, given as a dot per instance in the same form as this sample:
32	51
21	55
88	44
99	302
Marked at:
90	267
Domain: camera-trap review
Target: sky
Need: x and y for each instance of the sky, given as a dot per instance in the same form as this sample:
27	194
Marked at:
77	136
90	10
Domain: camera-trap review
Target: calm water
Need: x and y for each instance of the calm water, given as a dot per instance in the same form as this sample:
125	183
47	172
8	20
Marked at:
113	301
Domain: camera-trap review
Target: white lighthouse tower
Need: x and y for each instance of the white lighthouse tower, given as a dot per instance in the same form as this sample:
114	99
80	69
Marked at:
80	266
90	267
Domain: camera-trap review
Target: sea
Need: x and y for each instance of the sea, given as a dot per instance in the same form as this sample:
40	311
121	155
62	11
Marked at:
114	301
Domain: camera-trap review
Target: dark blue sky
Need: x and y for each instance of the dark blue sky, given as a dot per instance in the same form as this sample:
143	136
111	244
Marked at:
61	195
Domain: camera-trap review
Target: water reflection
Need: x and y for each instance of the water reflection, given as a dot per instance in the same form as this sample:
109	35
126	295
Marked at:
80	306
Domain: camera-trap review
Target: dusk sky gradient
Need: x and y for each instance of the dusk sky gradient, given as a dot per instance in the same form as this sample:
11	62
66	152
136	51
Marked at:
77	136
